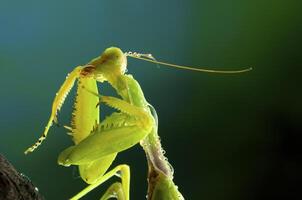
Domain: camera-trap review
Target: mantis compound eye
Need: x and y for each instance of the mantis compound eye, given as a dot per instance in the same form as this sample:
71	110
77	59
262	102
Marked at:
87	70
114	60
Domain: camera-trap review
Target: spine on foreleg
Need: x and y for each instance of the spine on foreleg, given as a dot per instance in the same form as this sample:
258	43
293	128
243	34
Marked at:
85	115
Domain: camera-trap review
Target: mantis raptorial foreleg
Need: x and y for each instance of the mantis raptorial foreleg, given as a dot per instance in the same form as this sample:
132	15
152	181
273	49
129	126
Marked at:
57	104
142	114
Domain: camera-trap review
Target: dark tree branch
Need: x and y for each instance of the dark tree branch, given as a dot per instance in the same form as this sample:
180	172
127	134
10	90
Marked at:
15	186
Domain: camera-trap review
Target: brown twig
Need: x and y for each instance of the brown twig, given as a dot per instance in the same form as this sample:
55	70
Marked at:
15	186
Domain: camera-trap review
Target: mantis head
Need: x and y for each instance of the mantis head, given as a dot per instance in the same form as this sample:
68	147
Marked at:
110	64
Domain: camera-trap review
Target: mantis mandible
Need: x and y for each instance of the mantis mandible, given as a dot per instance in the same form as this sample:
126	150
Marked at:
97	143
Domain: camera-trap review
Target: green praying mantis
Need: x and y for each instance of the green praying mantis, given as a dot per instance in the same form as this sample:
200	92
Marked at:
96	143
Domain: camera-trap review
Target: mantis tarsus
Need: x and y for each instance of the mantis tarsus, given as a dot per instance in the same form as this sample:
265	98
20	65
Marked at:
97	143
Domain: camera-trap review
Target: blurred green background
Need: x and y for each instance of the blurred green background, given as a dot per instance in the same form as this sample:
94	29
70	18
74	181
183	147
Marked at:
227	136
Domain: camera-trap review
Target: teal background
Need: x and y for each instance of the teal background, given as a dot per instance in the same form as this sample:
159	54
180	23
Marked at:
227	136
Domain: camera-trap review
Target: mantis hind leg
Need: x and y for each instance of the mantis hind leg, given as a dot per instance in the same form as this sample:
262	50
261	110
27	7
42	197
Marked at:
116	190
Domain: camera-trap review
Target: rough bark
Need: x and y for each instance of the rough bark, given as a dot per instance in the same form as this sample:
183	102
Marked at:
14	185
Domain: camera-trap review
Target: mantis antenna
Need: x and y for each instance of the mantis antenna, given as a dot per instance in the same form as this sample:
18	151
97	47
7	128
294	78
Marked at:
150	58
